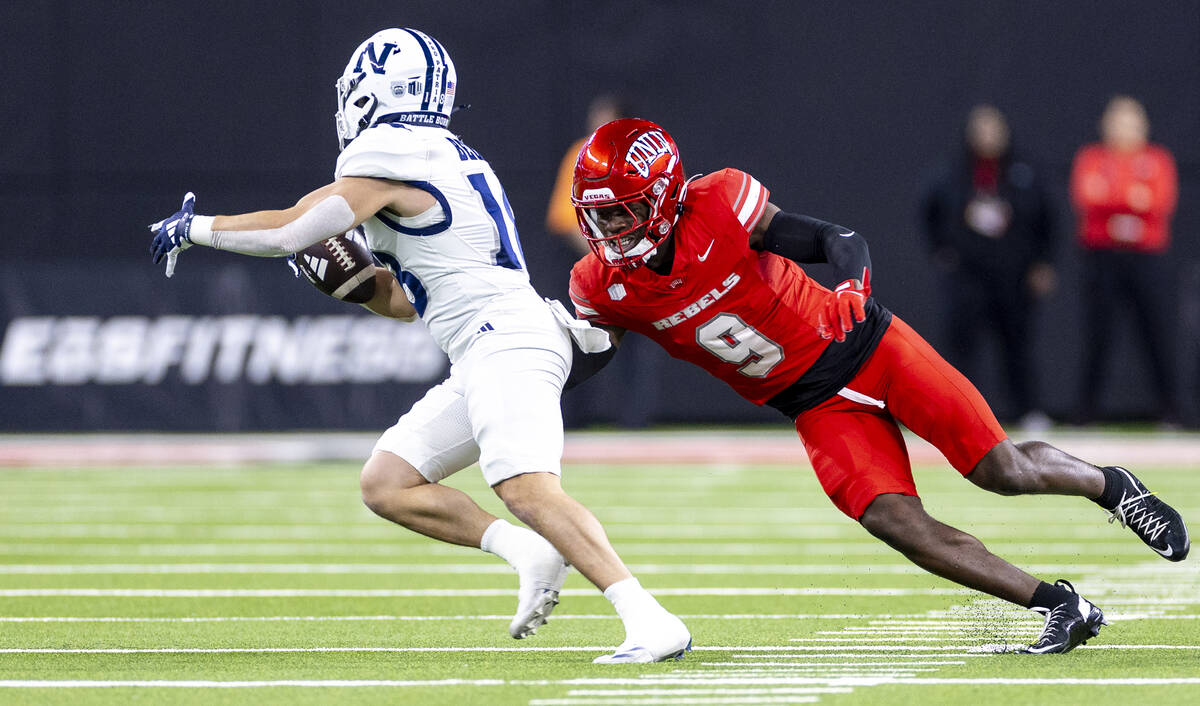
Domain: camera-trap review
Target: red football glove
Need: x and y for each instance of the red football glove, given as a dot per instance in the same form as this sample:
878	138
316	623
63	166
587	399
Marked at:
846	306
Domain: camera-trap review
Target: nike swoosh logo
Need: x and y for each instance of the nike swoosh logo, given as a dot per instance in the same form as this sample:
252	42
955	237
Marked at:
704	257
1165	552
846	235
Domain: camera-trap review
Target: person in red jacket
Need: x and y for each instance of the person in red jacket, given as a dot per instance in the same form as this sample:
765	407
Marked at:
1124	190
711	270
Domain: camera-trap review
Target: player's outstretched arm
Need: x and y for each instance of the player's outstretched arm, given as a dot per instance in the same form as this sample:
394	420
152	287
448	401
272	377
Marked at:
808	240
363	196
331	210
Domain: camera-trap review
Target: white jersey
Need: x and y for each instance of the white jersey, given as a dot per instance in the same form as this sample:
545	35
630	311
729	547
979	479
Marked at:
460	262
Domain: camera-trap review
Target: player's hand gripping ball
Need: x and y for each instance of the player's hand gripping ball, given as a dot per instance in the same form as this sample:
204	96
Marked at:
341	267
846	306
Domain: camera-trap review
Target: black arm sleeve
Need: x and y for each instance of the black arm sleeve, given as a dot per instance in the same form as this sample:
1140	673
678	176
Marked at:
585	365
807	240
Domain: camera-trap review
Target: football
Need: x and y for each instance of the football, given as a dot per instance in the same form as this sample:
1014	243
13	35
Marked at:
341	267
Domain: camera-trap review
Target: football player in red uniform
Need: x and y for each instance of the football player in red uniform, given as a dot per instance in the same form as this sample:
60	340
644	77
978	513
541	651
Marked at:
710	269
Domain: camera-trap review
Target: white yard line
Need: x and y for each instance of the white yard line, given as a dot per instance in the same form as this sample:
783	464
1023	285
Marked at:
557	616
621	532
794	694
382	531
858	655
569	648
206	684
419	618
675	701
913	630
914	660
677	681
954	648
629	547
1099	681
488	569
698	678
128	508
280	618
392	549
708	692
801	667
413	618
871	639
373	649
451	592
145	569
709	447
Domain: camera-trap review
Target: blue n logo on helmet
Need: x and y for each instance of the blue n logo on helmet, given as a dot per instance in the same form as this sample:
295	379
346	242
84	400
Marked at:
377	61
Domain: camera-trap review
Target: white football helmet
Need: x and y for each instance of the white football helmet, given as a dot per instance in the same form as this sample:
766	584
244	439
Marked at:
398	75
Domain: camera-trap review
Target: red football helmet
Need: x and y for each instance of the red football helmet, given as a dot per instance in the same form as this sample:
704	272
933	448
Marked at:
627	188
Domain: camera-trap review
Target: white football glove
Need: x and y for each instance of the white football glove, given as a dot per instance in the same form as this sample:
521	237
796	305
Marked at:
589	338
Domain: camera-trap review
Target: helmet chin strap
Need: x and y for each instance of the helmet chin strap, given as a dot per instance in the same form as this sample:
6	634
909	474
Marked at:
643	251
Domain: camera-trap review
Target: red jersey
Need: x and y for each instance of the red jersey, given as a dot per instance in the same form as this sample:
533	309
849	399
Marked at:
1124	200
747	317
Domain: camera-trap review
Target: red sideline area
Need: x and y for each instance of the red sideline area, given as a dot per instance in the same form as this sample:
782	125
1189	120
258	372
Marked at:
700	446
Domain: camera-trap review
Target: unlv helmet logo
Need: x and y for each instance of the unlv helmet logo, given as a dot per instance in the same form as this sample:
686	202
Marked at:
646	150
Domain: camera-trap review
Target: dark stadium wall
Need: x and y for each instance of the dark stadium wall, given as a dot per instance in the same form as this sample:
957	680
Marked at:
113	110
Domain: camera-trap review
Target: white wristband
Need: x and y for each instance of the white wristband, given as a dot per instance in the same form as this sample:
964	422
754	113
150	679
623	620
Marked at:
201	231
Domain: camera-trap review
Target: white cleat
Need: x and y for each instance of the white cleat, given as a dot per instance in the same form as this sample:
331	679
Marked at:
541	577
670	642
637	654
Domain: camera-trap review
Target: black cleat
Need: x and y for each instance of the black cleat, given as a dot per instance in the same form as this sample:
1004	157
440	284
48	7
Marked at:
1068	625
1151	519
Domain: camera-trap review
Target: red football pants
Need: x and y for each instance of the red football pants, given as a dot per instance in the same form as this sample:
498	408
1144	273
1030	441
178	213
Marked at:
855	445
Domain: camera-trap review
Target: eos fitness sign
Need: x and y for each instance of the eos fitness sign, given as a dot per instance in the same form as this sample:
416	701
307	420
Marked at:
126	350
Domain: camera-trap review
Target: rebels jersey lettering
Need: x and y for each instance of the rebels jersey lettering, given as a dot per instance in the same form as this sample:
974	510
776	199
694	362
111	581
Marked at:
460	257
747	317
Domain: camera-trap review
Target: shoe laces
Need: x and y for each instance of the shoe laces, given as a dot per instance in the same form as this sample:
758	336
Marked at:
1134	513
1053	621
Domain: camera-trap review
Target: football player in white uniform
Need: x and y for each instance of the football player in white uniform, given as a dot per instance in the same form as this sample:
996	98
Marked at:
435	214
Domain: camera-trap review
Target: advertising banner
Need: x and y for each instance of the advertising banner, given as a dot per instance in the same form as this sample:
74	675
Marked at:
241	346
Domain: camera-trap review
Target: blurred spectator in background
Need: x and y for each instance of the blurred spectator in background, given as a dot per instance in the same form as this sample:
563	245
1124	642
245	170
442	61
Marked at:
989	226
560	215
1124	190
634	400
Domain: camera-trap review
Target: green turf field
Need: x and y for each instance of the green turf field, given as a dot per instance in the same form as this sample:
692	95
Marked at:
273	584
